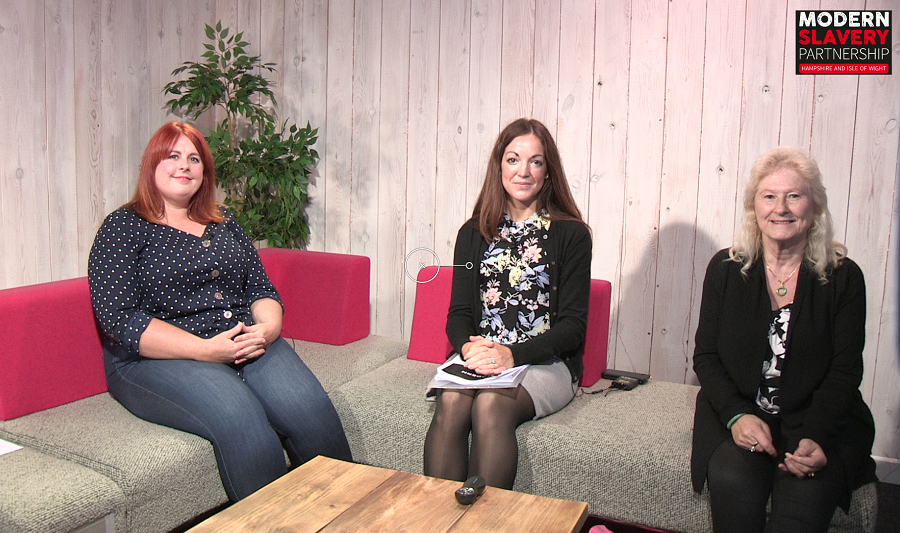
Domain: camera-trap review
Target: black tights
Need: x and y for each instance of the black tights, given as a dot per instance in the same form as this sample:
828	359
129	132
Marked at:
492	416
740	483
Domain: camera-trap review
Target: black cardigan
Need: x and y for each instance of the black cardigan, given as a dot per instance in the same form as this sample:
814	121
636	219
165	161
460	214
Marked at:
568	249
819	395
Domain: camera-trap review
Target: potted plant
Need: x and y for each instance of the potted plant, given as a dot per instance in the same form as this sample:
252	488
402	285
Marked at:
262	166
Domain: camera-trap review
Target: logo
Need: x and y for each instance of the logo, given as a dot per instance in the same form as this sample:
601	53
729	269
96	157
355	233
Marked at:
843	42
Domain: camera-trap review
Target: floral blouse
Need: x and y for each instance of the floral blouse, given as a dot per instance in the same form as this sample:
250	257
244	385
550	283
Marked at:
770	382
515	279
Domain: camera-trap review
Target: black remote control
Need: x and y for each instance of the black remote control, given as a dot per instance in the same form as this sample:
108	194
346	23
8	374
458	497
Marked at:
471	490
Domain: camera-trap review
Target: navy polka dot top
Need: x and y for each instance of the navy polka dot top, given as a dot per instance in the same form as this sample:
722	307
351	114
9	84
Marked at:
139	270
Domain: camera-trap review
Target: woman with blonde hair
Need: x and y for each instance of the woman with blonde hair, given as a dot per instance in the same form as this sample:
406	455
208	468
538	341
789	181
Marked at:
779	359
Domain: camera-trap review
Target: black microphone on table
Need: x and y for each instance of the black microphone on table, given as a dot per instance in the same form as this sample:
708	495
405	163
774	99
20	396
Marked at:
471	490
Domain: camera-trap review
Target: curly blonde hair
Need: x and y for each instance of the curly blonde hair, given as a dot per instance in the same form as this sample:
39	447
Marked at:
822	252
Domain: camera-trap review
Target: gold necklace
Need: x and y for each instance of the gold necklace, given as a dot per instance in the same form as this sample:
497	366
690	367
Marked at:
782	291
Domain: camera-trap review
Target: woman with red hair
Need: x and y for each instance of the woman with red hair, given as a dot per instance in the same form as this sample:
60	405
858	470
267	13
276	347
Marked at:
192	324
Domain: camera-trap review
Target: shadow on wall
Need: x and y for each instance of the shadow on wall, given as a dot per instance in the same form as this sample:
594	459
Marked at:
659	304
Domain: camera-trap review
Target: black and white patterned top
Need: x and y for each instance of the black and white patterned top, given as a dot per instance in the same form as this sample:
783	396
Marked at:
139	270
770	381
515	282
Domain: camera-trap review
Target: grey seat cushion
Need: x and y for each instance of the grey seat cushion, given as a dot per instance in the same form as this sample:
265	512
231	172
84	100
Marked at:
336	365
167	476
43	494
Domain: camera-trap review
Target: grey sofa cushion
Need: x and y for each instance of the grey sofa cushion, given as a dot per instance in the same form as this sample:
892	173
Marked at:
167	476
385	414
336	365
43	494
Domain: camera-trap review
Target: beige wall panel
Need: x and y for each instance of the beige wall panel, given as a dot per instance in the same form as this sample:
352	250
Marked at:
605	211
421	158
336	162
718	198
517	62
547	36
87	113
646	100
62	187
23	171
797	92
484	93
673	304
390	278
452	127
366	136
305	75
763	86
575	100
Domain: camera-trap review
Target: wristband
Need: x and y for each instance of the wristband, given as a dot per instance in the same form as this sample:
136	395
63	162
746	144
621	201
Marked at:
733	420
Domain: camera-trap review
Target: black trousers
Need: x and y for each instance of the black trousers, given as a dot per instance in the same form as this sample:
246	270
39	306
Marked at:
740	484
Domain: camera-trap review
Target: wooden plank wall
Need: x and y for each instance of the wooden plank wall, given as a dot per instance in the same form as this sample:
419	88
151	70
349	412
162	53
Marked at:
659	108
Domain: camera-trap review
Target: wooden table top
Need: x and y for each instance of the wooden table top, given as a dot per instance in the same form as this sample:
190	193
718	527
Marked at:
328	495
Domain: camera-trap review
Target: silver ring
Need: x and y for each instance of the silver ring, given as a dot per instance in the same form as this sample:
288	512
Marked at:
493	362
753	448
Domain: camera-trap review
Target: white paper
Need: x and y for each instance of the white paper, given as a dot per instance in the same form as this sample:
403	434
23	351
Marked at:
508	379
6	447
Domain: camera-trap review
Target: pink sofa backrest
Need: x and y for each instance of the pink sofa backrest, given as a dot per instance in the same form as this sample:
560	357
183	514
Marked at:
325	295
51	352
428	338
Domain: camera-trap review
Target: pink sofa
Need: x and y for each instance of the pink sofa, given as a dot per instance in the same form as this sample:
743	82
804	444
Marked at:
86	461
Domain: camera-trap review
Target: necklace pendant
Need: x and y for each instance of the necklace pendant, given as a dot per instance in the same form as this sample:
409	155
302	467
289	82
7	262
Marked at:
781	291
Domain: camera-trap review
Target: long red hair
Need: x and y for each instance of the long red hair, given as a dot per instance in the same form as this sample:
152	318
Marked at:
148	203
555	197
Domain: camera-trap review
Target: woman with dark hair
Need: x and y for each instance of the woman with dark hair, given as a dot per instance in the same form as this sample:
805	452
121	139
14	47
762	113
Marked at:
779	359
192	324
524	302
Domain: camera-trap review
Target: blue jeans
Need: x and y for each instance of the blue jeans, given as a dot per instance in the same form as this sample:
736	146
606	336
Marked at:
246	413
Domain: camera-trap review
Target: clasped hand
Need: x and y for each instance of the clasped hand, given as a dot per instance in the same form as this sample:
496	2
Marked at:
486	357
751	433
238	345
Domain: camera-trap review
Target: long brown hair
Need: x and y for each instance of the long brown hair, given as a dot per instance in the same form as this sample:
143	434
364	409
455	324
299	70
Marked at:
555	196
148	203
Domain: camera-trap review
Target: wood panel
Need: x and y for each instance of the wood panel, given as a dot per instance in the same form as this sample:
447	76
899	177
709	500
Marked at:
484	92
575	95
60	42
336	160
659	109
452	127
673	301
720	130
86	92
23	172
424	58
364	158
644	146
517	60
609	132
390	279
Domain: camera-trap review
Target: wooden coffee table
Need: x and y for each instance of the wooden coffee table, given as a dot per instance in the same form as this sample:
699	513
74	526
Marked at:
330	496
